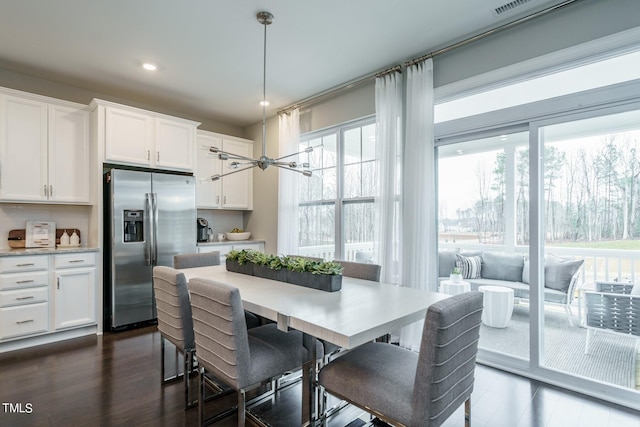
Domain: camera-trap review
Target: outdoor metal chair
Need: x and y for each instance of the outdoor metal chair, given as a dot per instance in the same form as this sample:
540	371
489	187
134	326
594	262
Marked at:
612	308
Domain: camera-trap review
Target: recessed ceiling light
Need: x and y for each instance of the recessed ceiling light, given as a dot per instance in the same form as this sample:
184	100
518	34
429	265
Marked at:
149	66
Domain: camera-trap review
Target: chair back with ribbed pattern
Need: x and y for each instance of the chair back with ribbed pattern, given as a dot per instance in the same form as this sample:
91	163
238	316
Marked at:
196	260
361	270
173	308
447	359
222	342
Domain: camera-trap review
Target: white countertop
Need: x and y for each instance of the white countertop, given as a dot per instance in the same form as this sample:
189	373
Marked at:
46	251
231	242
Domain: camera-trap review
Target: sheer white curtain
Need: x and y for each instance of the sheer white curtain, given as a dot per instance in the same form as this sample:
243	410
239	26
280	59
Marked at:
288	185
388	202
419	202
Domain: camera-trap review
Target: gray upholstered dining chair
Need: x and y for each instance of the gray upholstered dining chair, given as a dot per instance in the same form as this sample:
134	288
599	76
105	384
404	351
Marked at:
175	324
402	387
365	271
361	270
203	260
196	260
239	357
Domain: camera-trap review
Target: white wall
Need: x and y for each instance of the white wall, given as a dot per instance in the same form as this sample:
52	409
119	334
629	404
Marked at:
68	92
578	23
14	217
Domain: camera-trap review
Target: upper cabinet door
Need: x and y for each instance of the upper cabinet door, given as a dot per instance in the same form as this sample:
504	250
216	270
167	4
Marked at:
237	189
174	144
129	137
23	149
207	165
69	167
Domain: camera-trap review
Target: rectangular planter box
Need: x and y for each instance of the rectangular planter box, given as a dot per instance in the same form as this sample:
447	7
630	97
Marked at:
246	268
268	273
323	282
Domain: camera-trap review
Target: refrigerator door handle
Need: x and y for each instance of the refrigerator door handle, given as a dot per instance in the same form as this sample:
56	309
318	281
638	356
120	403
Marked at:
154	207
148	219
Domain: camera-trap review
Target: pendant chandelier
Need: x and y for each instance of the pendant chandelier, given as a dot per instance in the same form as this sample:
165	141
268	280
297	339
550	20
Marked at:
241	163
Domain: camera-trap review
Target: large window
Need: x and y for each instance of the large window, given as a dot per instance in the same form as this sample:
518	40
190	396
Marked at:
336	203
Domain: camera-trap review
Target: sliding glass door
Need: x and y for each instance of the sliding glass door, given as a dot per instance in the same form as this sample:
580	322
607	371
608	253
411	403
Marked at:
590	187
483	211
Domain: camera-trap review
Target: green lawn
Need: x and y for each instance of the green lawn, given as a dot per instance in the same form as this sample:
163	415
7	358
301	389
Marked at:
630	245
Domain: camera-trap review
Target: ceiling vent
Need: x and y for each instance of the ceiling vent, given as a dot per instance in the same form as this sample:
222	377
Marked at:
508	7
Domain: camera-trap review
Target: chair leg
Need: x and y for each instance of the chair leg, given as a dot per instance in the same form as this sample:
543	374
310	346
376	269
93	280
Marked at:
241	408
467	413
188	369
587	342
201	387
567	308
162	360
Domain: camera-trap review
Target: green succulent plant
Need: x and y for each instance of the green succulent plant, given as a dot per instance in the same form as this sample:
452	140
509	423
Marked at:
275	262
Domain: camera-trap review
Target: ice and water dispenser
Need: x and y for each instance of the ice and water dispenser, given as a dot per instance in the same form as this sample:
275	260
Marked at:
133	227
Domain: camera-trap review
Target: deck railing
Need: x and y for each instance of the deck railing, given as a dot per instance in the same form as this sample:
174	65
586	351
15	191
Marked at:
600	264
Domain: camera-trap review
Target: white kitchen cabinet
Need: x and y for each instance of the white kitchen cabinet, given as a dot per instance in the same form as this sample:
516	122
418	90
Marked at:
24	296
174	144
207	164
44	151
74	294
128	136
229	192
144	138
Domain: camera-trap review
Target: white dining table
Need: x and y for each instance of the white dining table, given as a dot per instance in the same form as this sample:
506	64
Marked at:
359	313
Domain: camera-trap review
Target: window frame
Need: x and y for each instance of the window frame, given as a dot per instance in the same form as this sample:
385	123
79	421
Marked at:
340	200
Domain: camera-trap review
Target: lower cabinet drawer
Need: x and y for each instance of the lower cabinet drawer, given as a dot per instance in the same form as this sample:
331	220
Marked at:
23	296
74	260
24	320
24	280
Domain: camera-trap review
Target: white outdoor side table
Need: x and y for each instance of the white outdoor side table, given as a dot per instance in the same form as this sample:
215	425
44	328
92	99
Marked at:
454	288
498	306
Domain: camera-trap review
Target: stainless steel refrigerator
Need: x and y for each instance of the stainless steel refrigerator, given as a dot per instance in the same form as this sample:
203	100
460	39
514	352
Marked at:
149	218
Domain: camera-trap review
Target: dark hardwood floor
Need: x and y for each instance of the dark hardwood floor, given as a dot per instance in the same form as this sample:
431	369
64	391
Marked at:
113	380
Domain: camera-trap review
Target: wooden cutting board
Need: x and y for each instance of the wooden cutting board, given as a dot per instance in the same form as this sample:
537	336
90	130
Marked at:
17	238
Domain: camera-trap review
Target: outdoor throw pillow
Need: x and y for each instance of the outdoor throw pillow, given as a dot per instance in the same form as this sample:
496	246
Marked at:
446	262
525	272
470	266
636	289
558	273
502	266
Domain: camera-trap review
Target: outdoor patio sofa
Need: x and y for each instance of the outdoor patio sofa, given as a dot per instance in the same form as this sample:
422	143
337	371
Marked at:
612	307
512	270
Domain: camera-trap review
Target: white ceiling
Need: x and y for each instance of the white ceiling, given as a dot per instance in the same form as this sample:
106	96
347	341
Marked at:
209	52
